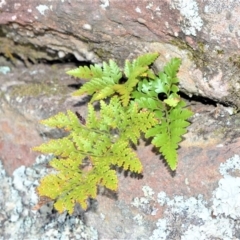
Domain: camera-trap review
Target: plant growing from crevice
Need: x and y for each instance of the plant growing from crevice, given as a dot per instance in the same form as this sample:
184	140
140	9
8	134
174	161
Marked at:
138	102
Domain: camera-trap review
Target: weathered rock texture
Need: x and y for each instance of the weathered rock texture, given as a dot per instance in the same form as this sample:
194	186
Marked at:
205	34
26	96
30	94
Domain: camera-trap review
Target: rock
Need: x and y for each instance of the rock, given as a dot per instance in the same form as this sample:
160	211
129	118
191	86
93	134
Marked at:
18	176
96	31
17	136
134	211
27	96
19	220
204	34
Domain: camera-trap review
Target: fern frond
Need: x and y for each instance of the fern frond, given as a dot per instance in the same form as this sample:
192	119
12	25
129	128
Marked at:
129	121
109	180
180	112
101	80
169	132
146	59
134	72
94	71
170	112
66	186
94	86
112	70
138	121
95	142
172	68
123	91
71	184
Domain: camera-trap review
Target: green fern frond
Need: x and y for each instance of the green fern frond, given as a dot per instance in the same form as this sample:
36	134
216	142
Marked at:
123	91
138	121
168	133
172	68
167	80
92	119
134	72
136	68
112	70
101	80
146	59
110	180
67	187
87	73
170	112
59	147
95	142
71	184
128	121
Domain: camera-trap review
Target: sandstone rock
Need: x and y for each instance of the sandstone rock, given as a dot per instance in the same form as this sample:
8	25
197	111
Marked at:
205	34
27	96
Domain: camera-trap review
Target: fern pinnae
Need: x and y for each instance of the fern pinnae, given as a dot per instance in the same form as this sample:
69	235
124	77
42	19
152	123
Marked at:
86	73
125	157
59	147
146	59
101	82
66	121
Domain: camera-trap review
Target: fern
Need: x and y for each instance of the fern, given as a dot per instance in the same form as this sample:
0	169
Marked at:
171	114
89	154
95	143
105	81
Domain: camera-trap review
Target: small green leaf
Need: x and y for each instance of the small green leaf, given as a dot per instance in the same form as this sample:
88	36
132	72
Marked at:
172	102
160	86
174	89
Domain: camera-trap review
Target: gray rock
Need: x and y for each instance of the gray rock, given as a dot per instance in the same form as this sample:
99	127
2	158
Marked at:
19	221
184	217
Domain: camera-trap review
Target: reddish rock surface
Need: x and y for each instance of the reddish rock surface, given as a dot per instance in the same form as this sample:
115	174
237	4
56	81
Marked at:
205	34
27	96
17	137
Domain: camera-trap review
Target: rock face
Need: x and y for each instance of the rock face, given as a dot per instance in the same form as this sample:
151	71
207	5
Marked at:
205	34
28	95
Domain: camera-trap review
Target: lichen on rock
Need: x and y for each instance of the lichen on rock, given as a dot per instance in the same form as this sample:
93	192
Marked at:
192	21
